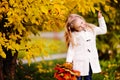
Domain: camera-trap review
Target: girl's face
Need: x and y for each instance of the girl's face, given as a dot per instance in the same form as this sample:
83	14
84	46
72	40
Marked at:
80	24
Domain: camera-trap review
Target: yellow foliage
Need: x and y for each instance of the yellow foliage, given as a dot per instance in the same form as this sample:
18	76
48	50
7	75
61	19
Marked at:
27	16
41	69
97	8
49	9
2	54
107	8
44	9
93	9
33	49
11	2
116	1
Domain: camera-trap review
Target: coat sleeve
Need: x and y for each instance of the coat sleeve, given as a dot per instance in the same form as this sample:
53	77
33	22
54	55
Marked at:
70	54
102	29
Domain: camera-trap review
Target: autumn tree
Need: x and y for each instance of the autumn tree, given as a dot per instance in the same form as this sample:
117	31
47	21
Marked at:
20	18
110	43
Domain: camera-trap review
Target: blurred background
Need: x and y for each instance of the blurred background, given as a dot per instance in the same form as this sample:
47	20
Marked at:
32	37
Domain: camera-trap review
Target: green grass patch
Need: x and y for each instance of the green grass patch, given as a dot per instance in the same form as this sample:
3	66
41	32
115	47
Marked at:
44	70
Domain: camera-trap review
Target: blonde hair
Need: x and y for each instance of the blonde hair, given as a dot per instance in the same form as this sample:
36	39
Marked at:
70	27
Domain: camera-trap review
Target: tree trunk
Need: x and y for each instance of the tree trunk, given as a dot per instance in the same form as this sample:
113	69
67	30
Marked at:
8	65
13	66
1	68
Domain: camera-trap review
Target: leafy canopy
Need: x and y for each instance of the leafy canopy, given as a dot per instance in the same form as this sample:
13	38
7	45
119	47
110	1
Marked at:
20	18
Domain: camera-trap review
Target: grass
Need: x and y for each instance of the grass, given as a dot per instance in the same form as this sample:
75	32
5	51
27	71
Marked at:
38	71
44	70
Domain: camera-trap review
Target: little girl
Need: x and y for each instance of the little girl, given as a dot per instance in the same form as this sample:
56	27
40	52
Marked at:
81	41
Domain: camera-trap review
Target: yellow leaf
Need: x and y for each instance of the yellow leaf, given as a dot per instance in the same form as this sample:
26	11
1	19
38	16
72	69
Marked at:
107	8
11	2
97	8
44	9
1	17
116	1
2	53
93	9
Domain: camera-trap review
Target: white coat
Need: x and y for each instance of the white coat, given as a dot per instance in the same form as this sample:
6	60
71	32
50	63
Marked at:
85	51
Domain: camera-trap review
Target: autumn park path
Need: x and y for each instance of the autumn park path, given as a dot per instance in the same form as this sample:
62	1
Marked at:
50	57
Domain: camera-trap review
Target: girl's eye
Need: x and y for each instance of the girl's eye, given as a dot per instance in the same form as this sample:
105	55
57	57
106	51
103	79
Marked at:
81	22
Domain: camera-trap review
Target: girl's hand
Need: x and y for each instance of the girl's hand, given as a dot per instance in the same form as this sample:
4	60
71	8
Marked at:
99	14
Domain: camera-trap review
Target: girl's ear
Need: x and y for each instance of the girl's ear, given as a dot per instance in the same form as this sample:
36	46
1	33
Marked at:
69	28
